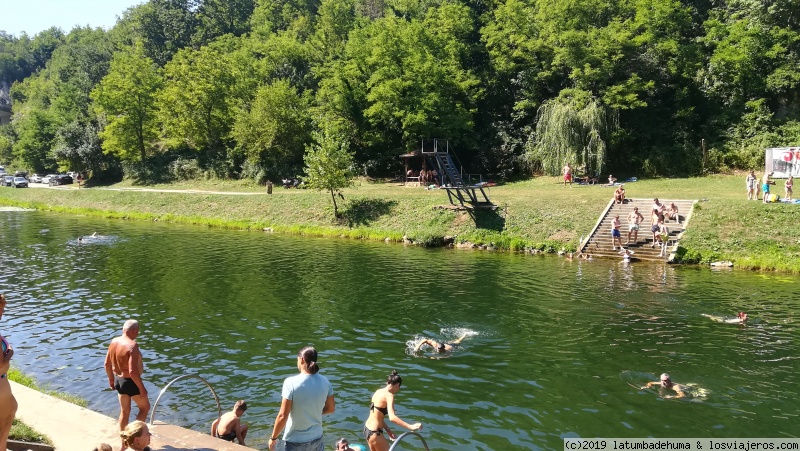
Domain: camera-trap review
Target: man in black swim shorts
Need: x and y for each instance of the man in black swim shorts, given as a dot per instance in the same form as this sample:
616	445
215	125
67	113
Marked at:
124	369
125	386
229	426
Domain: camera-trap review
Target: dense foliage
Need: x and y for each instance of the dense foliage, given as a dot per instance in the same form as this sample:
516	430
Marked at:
232	88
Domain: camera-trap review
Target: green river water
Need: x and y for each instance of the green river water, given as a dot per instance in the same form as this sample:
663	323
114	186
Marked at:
555	345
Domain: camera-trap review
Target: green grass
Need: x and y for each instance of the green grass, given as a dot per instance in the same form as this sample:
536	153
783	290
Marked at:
28	381
21	431
533	214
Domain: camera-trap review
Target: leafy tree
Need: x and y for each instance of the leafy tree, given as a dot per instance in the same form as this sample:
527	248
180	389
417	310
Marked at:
36	133
329	164
570	129
125	98
163	26
220	17
275	129
194	106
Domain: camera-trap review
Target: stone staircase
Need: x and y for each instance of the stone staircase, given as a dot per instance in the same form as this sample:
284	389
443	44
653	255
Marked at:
598	243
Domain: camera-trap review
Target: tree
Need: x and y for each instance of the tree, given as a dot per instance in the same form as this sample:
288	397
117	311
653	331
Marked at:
194	105
275	129
329	164
570	129
125	98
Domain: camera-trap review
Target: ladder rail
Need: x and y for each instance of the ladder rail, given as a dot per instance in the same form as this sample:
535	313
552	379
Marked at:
185	376
406	434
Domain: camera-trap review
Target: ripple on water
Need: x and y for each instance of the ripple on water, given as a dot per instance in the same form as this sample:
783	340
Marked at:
552	337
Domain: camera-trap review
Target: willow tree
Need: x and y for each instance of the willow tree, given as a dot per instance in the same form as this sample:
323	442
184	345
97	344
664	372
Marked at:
571	129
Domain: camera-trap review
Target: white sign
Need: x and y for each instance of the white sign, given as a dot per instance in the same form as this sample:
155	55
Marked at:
783	161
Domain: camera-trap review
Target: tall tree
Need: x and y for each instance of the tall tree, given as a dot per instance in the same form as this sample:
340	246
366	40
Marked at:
195	103
125	100
329	164
274	131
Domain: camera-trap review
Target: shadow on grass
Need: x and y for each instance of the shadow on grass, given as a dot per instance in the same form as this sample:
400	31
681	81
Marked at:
363	211
489	219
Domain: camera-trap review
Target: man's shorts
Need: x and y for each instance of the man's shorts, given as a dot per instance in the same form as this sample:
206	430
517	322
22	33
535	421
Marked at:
615	233
765	188
568	177
125	386
632	227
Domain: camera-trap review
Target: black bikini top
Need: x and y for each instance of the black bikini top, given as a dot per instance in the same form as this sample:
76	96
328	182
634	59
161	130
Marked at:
383	410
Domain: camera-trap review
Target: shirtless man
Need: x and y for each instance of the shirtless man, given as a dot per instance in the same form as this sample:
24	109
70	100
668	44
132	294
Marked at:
619	194
439	347
616	236
567	175
634	219
667	383
229	426
124	368
765	183
672	213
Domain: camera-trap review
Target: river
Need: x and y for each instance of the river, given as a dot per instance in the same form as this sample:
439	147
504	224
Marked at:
555	347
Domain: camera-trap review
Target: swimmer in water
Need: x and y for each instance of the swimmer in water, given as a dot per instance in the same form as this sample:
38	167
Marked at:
740	318
441	348
667	383
626	254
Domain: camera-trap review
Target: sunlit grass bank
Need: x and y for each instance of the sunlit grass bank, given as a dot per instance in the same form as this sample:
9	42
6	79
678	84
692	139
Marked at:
534	214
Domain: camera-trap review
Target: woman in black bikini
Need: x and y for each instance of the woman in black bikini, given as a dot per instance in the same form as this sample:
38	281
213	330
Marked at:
383	405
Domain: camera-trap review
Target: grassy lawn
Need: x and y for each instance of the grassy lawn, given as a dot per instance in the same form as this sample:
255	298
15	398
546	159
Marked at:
537	213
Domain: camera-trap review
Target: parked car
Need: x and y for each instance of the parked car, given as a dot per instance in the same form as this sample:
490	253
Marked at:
46	178
20	182
21	174
61	179
8	180
36	178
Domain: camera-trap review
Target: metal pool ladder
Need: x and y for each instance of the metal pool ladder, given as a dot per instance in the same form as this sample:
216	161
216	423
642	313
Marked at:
187	376
404	435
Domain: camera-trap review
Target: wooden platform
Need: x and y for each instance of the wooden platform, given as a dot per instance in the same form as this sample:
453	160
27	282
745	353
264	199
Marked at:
599	241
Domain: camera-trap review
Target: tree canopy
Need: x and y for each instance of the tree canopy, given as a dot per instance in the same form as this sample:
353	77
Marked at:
516	86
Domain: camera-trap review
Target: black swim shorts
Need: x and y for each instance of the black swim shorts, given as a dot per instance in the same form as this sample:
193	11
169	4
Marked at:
125	386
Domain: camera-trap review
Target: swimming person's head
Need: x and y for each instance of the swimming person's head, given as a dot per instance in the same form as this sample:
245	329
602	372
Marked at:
742	316
394	379
665	380
308	358
342	444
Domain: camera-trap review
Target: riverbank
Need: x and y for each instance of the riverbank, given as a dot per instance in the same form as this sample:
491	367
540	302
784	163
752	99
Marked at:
533	215
72	427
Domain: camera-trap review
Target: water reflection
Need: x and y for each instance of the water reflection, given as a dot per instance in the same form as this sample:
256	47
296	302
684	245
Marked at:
554	336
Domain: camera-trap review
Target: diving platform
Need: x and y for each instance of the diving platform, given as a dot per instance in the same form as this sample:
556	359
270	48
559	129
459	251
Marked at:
599	242
465	190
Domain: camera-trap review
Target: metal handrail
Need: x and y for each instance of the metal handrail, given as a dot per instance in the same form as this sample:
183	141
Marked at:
404	434
185	376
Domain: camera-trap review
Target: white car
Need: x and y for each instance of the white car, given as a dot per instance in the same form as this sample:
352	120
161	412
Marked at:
36	178
46	178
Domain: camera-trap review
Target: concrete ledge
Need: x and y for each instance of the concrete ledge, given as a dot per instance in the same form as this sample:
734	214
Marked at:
74	428
15	445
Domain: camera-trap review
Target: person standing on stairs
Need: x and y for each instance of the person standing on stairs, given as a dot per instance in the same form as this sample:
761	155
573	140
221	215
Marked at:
634	219
616	236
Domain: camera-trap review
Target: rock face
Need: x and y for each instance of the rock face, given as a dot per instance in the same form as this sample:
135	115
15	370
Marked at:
5	103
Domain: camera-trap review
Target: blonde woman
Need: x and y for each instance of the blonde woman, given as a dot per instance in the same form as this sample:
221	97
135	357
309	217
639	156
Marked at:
382	406
8	404
136	436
